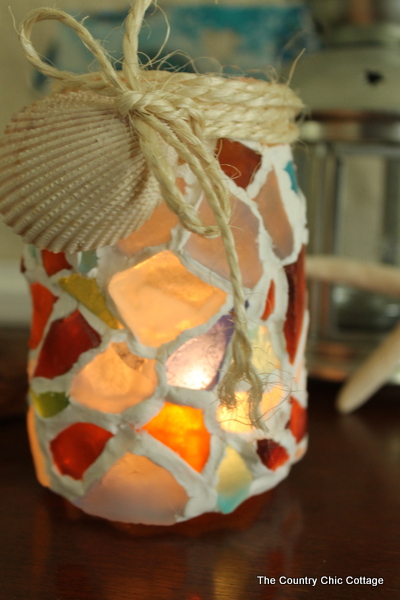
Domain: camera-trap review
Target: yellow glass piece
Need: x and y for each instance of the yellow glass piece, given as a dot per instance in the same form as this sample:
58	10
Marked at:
234	481
49	403
88	293
264	358
182	429
237	421
159	298
114	380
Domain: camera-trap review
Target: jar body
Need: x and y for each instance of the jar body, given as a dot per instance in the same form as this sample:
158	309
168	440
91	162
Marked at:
129	342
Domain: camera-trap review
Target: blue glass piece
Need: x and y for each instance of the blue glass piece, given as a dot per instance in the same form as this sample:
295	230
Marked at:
292	174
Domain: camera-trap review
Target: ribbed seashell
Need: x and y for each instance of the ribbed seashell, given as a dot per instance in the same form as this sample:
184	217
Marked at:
72	174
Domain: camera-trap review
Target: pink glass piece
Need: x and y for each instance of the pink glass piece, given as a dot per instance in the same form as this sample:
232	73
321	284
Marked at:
54	262
159	298
155	231
77	447
211	252
295	274
274	216
66	340
298	420
195	365
42	304
237	161
136	490
270	303
272	454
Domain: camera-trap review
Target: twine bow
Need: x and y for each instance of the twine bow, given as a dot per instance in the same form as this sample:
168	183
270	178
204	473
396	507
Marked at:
157	111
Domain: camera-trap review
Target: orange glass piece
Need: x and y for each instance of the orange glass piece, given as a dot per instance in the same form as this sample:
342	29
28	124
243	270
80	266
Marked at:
155	231
54	262
272	454
298	420
237	161
42	304
77	447
270	303
66	340
182	429
274	216
295	274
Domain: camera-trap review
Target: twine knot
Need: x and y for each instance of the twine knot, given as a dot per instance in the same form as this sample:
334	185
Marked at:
130	100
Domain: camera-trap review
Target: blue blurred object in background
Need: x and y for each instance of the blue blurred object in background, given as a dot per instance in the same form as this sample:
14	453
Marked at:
237	39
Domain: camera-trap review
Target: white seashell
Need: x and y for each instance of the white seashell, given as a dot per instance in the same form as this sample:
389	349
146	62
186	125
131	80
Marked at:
72	174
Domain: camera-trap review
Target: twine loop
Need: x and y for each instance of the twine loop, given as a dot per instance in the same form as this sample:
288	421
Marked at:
181	109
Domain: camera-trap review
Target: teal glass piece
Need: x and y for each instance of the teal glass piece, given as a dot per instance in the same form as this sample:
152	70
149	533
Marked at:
32	250
228	504
88	261
234	480
293	177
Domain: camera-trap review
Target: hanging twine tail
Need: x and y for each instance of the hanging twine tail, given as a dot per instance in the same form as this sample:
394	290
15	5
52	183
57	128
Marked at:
179	111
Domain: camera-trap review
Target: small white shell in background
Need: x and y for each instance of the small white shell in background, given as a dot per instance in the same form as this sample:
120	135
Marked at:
72	174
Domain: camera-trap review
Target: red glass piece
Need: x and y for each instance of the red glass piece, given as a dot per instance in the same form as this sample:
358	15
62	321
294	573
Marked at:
66	340
54	262
270	303
237	161
298	420
295	274
77	447
22	266
42	303
272	454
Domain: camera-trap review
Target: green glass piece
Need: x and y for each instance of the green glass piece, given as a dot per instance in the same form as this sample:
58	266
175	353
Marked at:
88	293
49	403
88	261
32	250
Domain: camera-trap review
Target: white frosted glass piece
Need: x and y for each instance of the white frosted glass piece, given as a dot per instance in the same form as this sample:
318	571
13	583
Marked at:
136	490
114	380
234	481
159	298
195	365
211	252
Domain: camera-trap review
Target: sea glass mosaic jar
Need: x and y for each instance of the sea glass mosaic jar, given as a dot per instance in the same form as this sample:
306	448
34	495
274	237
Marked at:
129	342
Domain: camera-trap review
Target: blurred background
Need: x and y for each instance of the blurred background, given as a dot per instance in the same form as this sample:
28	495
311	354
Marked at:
348	157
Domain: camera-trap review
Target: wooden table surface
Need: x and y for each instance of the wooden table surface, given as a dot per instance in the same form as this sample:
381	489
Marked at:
337	515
